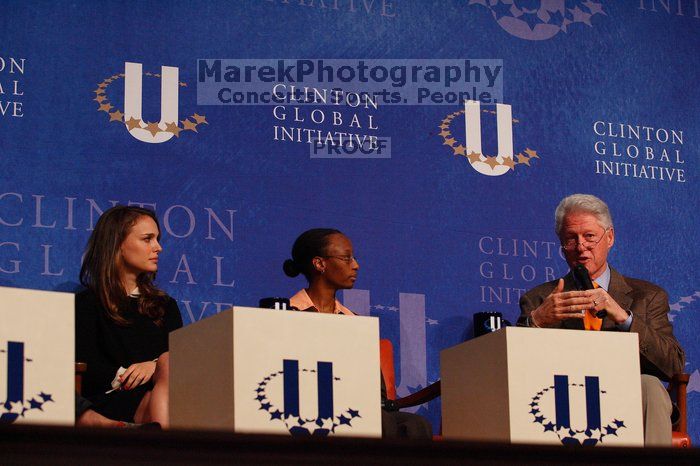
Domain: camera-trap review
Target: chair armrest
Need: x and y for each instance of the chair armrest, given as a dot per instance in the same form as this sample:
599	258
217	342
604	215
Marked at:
423	395
678	388
80	369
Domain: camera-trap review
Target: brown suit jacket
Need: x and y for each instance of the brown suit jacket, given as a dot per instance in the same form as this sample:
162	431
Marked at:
659	351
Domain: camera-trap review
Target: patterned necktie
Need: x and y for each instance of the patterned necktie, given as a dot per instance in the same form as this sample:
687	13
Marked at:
590	321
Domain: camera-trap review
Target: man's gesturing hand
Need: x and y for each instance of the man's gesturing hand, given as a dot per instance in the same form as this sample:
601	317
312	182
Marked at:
561	305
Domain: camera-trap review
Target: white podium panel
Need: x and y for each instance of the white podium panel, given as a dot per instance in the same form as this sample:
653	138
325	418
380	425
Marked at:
267	371
526	385
37	357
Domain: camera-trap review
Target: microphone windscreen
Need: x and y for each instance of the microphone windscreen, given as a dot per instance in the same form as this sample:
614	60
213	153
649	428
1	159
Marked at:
582	277
584	282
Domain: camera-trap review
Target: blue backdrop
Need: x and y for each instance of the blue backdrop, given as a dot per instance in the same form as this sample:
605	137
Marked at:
603	101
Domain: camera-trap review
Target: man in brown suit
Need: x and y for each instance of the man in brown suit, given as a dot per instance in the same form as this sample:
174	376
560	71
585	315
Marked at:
584	227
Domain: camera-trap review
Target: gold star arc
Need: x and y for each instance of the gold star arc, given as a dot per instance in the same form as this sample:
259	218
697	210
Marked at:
173	128
523	159
492	162
509	162
188	125
200	119
152	128
132	123
532	153
116	116
102	98
473	157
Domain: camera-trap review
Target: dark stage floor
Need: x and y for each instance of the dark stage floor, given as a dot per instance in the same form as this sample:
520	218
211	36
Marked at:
58	445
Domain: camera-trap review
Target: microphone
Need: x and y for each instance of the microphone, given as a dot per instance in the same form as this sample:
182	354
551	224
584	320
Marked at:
280	304
583	282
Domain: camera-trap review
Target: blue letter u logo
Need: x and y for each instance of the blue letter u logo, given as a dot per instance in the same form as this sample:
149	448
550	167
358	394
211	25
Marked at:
562	407
15	379
324	374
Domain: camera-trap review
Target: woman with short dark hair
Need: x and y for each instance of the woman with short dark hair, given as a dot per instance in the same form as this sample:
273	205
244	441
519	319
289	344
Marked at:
325	257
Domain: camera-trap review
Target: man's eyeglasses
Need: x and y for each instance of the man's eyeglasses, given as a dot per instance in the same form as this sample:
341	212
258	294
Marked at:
590	241
347	259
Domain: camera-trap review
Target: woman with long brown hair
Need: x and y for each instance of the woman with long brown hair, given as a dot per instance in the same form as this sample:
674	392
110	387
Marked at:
123	319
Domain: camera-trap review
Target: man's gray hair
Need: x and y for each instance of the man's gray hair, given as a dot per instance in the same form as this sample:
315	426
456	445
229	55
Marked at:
586	203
